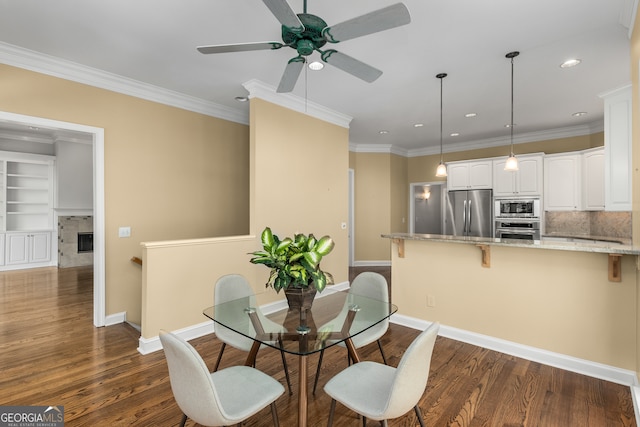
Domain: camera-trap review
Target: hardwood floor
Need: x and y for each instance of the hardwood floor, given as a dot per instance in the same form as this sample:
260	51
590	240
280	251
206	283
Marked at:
50	354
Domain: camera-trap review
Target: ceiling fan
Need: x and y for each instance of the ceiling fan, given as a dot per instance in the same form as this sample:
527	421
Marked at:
307	33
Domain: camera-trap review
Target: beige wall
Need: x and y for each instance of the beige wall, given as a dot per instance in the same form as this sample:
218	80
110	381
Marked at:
372	208
169	173
299	179
568	307
299	183
399	194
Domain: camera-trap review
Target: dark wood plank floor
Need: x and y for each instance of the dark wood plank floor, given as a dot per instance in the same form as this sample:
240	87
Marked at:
50	354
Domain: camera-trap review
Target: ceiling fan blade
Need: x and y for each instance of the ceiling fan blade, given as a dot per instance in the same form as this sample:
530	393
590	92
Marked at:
373	22
351	65
291	74
283	12
240	47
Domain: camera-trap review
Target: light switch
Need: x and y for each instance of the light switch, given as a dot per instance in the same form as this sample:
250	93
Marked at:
124	232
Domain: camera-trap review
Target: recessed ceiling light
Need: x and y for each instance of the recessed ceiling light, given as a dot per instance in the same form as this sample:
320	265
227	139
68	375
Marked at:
570	63
316	65
579	114
471	115
383	132
241	98
418	125
509	125
455	134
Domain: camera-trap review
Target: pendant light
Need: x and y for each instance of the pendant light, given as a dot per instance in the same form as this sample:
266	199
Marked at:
512	162
441	171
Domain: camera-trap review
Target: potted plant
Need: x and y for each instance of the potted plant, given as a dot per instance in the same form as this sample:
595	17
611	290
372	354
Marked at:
295	263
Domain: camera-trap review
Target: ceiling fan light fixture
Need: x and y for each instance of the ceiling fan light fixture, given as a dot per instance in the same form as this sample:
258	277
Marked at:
316	65
512	162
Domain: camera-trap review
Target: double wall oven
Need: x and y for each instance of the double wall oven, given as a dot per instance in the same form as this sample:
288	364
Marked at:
517	219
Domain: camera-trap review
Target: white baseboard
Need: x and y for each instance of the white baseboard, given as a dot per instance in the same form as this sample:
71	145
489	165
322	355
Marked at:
114	319
372	264
569	363
149	345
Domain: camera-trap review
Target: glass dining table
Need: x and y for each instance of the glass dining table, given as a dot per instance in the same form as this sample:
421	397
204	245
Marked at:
333	318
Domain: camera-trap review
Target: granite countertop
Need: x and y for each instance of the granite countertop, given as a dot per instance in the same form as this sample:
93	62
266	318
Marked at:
600	246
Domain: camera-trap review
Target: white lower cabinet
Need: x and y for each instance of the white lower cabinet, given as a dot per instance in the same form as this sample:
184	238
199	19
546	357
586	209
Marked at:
27	248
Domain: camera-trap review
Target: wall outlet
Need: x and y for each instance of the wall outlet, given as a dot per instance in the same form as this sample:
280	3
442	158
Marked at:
124	232
431	301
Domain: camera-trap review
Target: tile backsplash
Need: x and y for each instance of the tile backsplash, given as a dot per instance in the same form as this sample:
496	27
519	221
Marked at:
589	223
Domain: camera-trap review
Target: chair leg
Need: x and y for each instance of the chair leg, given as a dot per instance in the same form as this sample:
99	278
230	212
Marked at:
184	420
331	412
315	382
384	359
220	356
286	372
274	414
419	414
383	423
364	421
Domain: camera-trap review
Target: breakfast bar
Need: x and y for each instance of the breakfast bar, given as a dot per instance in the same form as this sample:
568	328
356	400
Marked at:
615	249
576	301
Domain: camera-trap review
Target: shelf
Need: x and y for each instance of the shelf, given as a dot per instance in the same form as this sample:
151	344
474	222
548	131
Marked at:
17	175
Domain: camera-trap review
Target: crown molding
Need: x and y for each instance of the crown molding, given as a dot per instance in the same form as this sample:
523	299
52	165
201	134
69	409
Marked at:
258	89
378	148
56	67
566	132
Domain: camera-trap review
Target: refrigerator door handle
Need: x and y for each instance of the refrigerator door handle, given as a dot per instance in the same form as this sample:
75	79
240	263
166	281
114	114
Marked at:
464	218
469	219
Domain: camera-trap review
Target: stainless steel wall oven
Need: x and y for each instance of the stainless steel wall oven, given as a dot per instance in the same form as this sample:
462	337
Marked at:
517	229
517	219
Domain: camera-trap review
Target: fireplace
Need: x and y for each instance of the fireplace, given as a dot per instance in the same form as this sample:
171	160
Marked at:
85	242
75	241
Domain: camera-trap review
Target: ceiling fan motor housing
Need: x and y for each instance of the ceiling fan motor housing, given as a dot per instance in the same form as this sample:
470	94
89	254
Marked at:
308	40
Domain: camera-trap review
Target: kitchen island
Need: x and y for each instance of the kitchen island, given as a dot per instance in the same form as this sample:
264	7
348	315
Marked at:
568	304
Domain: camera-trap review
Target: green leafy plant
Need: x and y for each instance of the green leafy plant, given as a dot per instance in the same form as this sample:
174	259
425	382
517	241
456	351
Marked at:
294	262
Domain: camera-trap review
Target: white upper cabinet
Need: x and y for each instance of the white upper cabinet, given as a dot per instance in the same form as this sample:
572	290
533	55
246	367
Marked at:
562	189
526	181
593	179
469	175
618	149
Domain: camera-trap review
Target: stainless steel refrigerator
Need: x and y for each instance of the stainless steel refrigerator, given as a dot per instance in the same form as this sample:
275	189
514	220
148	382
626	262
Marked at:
468	213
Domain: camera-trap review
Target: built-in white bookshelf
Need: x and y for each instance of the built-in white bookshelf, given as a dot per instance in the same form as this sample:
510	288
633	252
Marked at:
28	196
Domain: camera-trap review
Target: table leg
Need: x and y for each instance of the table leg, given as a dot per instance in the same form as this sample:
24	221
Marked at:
302	391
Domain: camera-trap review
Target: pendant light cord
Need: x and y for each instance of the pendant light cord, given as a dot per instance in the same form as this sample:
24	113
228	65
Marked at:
441	120
511	126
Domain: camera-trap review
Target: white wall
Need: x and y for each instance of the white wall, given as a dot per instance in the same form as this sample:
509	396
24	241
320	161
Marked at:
74	175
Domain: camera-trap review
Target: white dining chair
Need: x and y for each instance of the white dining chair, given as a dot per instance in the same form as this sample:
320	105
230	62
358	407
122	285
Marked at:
381	392
221	398
368	284
231	287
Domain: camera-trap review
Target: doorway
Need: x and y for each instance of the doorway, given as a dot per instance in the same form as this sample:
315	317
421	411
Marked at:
96	135
426	210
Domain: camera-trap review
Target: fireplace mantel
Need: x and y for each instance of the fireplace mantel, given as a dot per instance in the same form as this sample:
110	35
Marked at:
73	211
